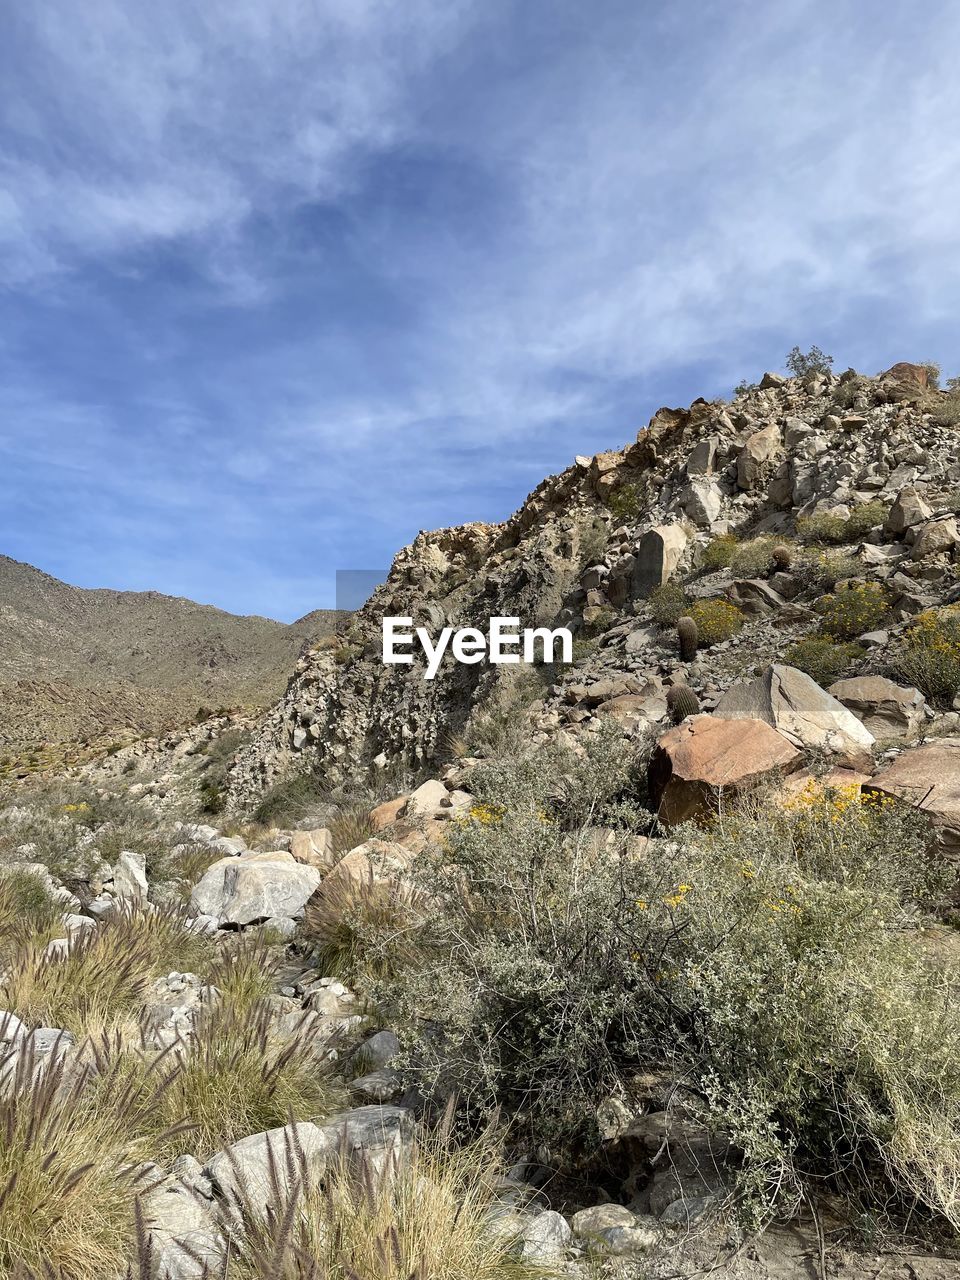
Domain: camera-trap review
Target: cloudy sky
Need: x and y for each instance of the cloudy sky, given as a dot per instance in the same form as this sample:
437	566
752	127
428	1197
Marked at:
284	281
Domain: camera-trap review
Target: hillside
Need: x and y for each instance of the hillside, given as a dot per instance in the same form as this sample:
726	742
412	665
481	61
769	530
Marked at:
815	462
78	663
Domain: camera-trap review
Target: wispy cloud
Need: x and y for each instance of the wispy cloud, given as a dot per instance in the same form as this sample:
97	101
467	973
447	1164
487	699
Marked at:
282	283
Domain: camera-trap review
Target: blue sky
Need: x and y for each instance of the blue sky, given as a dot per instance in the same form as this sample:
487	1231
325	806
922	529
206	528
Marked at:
283	282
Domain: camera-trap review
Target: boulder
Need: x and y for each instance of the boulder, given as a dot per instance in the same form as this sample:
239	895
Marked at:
375	859
805	714
935	536
375	1136
702	502
908	509
130	877
757	450
313	848
658	554
255	886
909	375
696	762
386	814
180	1223
428	798
546	1239
888	710
929	778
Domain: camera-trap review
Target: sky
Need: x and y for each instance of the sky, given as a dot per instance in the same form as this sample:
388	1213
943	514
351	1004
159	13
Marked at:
283	282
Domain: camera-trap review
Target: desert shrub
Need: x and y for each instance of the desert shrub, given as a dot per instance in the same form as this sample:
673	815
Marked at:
930	657
500	724
783	975
824	659
946	410
766	960
754	558
626	503
824	569
719	551
853	610
865	517
521	1001
367	928
824	526
290	801
716	620
813	361
592	538
600	622
427	1218
668	603
933	374
27	911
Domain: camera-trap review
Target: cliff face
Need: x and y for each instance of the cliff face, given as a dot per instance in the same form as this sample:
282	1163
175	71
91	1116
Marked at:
587	547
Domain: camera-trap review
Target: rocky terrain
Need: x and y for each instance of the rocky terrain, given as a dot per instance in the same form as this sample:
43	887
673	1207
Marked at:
588	546
84	664
640	965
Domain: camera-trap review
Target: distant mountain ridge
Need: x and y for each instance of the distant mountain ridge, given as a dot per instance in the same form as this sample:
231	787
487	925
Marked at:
78	662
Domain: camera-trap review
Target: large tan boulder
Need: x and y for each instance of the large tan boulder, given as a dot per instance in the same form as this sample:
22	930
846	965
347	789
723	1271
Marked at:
255	886
928	777
908	510
805	714
375	859
757	451
659	552
888	710
699	761
935	536
315	848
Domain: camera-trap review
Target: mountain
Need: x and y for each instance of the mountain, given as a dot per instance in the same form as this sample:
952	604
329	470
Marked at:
817	461
77	663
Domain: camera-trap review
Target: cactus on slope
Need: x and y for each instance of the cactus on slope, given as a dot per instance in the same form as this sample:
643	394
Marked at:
682	702
689	636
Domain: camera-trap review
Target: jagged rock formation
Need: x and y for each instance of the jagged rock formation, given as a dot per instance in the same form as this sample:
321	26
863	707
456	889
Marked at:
589	545
77	663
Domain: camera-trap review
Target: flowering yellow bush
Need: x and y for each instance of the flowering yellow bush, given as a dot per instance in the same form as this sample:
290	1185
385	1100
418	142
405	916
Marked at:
853	610
716	620
931	656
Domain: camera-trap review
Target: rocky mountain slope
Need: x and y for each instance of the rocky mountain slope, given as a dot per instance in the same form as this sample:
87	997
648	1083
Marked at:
854	471
77	663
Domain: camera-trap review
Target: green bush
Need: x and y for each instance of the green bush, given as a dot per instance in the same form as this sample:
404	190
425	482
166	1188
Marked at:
813	361
719	551
668	603
930	657
822	658
767	961
824	569
626	503
289	802
827	527
716	620
853	610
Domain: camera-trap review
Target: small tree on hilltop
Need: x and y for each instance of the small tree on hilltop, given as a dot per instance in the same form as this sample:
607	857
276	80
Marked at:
812	361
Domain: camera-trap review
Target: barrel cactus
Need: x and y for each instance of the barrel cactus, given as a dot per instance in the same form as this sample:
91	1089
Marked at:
782	557
682	702
689	636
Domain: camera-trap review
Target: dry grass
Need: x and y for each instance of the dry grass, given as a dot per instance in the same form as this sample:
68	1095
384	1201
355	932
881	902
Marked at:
234	1076
104	977
427	1217
367	929
65	1203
